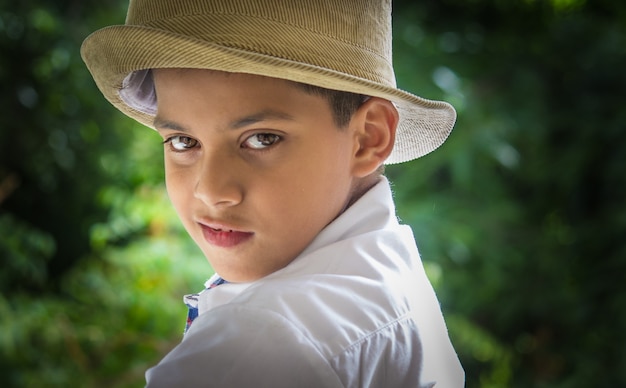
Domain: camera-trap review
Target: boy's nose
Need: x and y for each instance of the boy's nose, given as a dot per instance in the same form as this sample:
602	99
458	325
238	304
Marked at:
218	183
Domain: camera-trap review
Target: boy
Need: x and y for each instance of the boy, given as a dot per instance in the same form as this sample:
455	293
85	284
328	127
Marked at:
276	118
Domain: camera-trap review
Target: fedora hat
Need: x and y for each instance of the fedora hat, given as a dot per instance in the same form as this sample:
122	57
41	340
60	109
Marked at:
342	45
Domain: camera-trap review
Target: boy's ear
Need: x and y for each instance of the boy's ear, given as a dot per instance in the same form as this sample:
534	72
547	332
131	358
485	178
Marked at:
375	125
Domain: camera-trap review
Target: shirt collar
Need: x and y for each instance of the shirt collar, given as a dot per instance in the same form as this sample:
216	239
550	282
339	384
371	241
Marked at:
375	210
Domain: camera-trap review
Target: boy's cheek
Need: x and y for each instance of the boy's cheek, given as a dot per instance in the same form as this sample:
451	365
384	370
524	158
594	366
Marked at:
178	191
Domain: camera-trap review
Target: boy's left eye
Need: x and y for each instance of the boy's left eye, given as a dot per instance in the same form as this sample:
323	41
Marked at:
261	140
181	143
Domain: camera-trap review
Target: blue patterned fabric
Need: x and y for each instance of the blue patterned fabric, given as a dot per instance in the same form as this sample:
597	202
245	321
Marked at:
191	301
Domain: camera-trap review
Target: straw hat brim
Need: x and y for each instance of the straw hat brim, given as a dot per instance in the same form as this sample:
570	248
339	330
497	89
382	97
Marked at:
114	52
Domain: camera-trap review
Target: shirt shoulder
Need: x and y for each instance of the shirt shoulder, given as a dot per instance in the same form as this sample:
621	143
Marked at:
239	346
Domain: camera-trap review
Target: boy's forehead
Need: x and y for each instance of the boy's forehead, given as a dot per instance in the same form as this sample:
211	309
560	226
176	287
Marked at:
238	99
139	87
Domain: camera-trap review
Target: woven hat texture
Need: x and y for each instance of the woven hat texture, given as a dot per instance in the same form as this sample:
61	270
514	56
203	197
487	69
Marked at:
342	45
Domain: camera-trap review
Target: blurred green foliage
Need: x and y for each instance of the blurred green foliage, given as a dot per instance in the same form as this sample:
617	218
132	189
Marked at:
522	210
519	216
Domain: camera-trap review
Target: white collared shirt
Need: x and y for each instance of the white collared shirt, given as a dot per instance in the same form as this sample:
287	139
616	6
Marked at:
354	309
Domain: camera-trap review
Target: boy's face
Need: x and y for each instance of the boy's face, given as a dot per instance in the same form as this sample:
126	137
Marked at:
255	167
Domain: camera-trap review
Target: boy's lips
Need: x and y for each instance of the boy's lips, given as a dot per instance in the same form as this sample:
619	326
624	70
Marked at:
223	236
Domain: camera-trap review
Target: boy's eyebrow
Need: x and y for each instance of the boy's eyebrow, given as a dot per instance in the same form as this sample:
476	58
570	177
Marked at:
161	124
265	115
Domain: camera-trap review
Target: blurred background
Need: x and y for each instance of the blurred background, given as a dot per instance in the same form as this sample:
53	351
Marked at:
519	216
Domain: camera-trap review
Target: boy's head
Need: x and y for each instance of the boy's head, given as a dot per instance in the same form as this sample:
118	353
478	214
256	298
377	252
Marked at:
256	166
276	115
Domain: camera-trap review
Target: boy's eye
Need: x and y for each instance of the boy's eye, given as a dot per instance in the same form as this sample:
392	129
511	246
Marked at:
261	140
181	143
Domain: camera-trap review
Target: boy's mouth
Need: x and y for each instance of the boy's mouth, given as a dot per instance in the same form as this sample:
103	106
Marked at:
224	237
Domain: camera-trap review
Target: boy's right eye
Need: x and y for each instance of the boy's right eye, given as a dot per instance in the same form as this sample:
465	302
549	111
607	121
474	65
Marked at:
181	143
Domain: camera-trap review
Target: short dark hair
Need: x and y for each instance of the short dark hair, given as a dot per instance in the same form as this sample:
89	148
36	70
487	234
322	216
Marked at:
343	104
